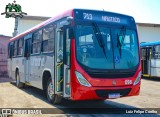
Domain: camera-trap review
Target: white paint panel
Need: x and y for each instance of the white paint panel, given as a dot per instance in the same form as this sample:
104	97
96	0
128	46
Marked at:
38	64
155	72
155	67
24	25
155	63
148	34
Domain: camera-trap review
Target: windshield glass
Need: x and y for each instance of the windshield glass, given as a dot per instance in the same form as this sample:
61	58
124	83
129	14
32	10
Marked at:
111	49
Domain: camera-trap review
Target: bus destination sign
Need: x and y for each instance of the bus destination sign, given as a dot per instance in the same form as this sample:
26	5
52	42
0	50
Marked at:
102	17
89	16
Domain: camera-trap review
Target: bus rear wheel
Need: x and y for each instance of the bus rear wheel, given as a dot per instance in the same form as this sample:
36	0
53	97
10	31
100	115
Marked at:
18	83
51	96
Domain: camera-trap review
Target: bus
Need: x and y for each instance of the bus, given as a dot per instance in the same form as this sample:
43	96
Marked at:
79	55
150	52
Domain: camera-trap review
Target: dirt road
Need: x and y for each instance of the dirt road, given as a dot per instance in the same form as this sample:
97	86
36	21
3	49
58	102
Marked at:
12	97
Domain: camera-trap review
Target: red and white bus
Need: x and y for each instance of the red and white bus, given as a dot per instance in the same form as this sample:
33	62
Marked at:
79	55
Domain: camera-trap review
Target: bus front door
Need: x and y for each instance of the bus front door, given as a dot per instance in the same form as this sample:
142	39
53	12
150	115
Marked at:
62	63
146	57
27	59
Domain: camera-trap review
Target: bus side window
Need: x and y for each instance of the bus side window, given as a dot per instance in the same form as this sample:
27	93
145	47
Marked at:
10	50
60	45
48	38
20	46
27	50
156	52
15	49
68	42
36	42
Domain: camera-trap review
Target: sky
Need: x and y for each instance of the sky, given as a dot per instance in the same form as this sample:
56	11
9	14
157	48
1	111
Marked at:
144	11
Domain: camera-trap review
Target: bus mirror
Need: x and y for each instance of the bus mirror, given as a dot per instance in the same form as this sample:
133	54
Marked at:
70	19
71	33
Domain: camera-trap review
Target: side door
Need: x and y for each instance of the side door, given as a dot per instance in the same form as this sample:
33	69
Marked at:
146	59
62	62
67	61
27	61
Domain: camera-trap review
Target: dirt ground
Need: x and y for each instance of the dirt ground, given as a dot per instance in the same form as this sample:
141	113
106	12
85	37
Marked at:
149	95
12	97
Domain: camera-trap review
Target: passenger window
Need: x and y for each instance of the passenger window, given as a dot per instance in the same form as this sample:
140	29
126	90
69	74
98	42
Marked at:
156	52
48	38
20	46
36	42
15	49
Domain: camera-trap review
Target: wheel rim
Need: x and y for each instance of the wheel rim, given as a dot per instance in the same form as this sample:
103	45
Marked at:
17	80
50	90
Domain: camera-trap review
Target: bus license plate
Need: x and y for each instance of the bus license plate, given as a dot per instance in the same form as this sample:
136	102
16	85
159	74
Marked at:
114	95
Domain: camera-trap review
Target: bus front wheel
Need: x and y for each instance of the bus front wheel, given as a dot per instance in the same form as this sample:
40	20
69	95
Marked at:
18	83
51	96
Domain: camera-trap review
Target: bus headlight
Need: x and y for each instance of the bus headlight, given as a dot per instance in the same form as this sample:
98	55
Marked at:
82	80
138	78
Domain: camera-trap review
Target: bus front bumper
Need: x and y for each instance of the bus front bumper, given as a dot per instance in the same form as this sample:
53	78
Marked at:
80	92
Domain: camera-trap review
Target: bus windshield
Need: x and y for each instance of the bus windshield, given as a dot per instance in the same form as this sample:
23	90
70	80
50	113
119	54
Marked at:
113	48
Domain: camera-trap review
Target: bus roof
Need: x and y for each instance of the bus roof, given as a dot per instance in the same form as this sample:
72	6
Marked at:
65	14
98	15
145	44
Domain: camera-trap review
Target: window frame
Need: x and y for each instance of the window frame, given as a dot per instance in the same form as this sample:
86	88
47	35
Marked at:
38	42
20	47
15	49
49	39
155	54
10	49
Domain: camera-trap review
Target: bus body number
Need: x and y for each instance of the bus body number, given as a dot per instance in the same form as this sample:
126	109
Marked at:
87	16
128	82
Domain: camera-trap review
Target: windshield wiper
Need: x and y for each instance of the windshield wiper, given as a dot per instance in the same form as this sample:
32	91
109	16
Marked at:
99	37
120	39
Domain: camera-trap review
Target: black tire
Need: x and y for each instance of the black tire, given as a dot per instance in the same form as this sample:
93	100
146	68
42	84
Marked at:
18	83
52	98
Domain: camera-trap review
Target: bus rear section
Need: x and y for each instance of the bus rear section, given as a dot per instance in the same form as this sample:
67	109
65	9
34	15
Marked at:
150	59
